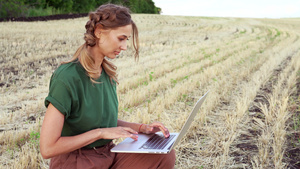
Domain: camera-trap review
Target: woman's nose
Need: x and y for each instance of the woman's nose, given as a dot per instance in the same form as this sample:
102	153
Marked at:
123	46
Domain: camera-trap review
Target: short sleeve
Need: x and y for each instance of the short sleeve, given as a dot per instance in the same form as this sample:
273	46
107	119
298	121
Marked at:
60	97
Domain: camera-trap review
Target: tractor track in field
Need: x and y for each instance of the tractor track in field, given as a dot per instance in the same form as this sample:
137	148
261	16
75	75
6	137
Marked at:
248	142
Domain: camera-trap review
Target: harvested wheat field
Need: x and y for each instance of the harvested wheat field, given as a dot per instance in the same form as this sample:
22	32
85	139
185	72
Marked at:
250	119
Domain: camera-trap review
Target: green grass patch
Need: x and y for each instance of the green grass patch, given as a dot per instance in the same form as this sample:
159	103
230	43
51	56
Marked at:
243	32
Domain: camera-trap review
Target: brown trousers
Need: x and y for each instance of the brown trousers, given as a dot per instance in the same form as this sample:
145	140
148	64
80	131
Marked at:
102	158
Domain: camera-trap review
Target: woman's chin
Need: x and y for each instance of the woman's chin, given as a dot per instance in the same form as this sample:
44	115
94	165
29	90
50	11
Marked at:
111	56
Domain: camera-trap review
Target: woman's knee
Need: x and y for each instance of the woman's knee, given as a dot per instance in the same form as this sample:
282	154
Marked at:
169	160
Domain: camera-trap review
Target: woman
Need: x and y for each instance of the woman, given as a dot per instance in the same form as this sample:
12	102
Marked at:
82	106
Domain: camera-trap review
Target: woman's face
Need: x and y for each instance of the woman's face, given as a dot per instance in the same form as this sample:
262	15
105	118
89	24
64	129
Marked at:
113	41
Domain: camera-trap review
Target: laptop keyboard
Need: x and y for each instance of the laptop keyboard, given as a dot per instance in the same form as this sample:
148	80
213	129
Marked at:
156	142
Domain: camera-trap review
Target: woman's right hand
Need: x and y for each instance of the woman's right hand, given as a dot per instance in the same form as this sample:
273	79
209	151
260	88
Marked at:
118	132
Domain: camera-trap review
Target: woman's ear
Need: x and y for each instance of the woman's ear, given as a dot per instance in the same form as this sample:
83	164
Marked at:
98	31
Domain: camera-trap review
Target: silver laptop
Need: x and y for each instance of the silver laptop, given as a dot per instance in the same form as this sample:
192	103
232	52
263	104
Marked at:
157	143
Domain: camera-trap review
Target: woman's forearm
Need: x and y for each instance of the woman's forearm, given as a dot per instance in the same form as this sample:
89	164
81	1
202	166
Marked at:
68	144
134	126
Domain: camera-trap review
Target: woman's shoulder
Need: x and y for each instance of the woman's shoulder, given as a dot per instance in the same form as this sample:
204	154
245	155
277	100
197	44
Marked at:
68	71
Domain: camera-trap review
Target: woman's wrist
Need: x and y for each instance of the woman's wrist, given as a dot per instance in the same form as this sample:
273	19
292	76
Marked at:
99	133
142	128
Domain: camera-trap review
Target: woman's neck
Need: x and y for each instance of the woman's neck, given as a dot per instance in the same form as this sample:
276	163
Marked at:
97	56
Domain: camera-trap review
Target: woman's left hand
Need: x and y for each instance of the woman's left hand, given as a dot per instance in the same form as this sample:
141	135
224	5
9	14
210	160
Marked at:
155	127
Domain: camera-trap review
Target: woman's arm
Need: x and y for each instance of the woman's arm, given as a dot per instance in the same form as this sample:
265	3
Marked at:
52	144
134	126
145	128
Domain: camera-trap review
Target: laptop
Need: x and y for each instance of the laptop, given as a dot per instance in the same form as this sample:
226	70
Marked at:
157	143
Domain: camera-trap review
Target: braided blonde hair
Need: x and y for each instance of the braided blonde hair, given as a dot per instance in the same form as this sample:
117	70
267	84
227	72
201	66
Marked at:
109	16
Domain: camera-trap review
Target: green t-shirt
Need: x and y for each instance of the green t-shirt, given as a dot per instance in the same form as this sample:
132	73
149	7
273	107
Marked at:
84	104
